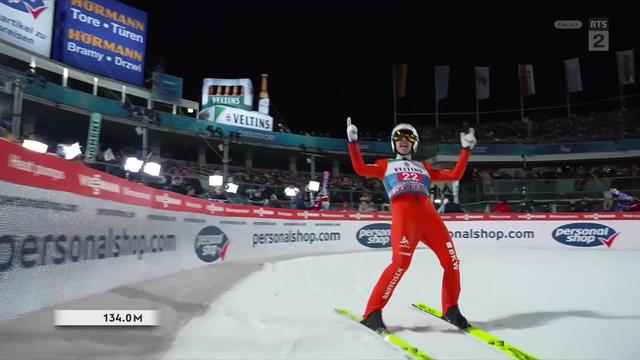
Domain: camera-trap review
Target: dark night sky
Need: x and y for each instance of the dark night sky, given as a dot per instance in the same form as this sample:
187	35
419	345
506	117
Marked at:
326	61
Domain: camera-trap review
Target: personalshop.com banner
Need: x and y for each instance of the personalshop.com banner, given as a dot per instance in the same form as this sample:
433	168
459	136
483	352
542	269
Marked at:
547	231
67	231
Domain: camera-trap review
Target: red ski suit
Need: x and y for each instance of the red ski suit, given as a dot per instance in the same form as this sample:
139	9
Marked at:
414	219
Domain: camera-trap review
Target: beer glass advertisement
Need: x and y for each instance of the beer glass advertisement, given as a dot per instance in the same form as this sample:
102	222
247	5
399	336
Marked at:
104	37
237	93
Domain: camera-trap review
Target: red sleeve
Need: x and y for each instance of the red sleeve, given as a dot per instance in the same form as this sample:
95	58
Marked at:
450	175
361	168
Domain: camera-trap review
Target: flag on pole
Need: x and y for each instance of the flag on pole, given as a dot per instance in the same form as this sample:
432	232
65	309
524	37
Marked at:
400	76
442	82
527	83
572	73
482	82
626	67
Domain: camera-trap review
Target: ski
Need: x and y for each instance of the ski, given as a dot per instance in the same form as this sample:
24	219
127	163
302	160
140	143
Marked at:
481	335
410	350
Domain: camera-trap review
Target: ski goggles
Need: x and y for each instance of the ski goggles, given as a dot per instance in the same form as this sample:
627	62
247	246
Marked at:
408	134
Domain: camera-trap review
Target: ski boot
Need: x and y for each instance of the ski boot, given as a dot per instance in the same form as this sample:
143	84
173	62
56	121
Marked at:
454	317
374	322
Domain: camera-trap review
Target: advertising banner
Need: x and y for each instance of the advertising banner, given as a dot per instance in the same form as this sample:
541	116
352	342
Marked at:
238	117
237	93
167	88
104	37
27	24
67	231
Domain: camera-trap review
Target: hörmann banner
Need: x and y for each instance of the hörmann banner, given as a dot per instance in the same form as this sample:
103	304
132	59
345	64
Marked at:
104	37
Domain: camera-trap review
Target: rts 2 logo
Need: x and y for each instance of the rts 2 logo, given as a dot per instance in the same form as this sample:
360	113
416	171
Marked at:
33	7
585	235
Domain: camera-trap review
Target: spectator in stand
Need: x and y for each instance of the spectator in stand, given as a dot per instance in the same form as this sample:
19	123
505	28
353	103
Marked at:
365	204
435	192
583	206
607	204
475	175
322	203
297	202
446	191
154	182
191	191
450	207
256	195
503	207
7	135
216	193
177	186
527	206
273	201
573	206
346	206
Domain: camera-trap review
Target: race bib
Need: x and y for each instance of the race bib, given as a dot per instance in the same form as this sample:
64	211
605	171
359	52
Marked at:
405	176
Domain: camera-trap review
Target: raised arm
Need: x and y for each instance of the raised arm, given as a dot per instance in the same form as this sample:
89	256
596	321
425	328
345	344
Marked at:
359	166
468	141
450	175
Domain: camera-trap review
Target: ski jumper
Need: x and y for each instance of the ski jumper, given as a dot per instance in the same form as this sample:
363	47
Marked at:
413	219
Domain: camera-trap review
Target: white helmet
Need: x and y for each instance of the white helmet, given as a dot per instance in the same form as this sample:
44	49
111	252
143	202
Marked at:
405	127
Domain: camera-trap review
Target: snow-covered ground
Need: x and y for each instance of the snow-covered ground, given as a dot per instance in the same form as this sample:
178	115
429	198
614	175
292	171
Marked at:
553	304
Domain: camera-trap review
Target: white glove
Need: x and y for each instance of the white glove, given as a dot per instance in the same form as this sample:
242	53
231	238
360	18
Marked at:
352	131
468	140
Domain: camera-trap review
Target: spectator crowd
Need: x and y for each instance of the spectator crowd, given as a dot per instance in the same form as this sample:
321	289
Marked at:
533	129
350	192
